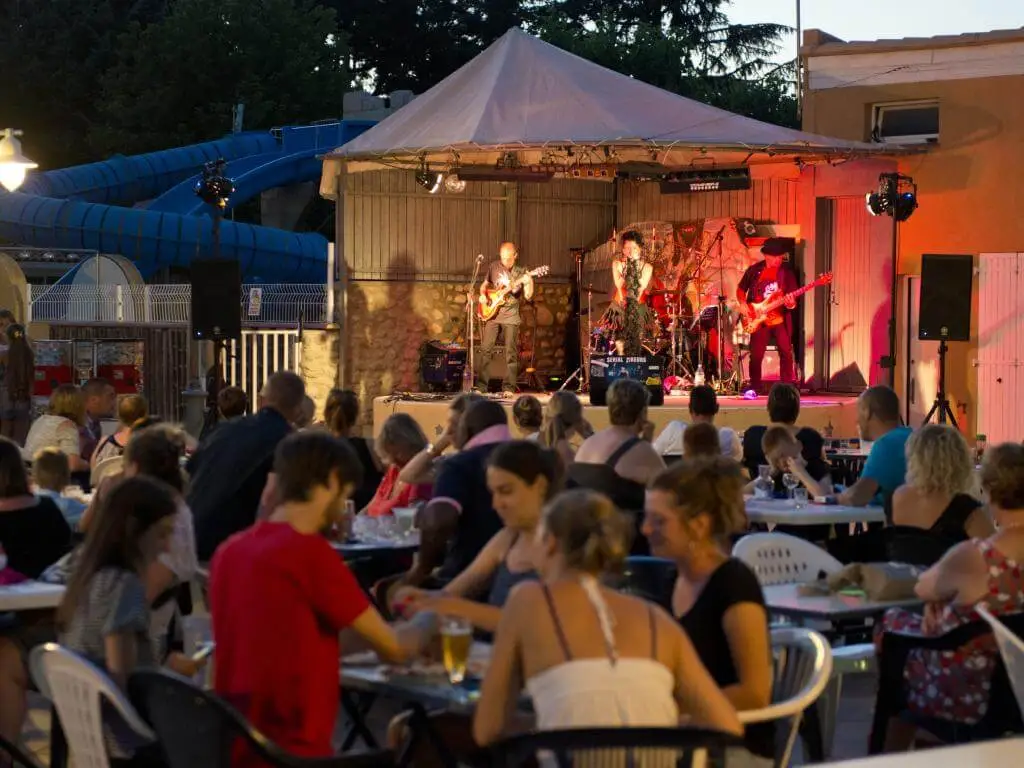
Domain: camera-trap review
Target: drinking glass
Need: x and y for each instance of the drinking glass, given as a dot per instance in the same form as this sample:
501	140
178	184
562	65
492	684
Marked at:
456	641
791	482
800	497
387	528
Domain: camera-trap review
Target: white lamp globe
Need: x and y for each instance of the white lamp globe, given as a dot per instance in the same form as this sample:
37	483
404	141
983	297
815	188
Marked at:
13	164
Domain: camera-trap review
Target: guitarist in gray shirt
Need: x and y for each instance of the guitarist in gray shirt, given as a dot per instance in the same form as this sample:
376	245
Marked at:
502	274
761	282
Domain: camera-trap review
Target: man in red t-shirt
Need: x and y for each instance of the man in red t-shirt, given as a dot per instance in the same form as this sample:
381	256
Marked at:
280	595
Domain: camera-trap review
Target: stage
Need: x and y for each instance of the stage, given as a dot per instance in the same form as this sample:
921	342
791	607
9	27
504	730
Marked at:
817	411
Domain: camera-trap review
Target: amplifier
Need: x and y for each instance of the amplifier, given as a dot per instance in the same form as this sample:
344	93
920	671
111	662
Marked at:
442	366
605	370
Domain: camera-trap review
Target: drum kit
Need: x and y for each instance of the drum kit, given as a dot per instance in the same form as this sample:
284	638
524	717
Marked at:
689	339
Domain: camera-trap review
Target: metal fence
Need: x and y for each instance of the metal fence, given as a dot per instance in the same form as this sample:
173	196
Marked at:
274	304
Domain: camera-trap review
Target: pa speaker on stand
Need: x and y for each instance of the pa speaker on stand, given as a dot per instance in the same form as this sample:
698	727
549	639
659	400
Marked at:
945	315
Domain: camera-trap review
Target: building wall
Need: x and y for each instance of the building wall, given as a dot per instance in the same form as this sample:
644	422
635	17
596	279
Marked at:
967	182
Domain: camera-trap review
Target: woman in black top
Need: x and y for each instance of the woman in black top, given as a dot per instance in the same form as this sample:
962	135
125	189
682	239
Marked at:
340	414
33	532
692	509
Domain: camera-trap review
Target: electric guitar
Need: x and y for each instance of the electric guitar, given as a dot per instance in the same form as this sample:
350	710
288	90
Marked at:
767	312
492	299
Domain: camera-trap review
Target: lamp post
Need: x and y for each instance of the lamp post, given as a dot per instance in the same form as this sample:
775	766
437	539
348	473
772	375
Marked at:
13	164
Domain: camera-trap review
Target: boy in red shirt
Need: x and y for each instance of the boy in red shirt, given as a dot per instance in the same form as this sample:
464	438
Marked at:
280	595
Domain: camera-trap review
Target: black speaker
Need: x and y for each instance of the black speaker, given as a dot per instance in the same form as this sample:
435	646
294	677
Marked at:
606	370
945	297
216	299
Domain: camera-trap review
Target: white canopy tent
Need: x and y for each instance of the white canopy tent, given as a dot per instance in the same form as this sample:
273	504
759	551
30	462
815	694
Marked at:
553	109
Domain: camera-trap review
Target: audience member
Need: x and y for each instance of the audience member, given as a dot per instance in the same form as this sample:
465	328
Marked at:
701	440
156	453
33	532
131	409
59	428
400	439
7	319
940	471
783	411
424	465
692	510
51	474
591	657
230	468
460	519
232	402
625	447
307	413
105	613
528	415
783	452
703	409
522	477
282	573
564	422
955	685
100	401
341	412
19	377
878	419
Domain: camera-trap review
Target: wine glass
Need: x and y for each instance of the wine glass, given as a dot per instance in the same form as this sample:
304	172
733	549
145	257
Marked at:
791	481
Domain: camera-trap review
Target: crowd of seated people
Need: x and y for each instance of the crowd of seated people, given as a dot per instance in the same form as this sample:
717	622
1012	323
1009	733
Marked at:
519	537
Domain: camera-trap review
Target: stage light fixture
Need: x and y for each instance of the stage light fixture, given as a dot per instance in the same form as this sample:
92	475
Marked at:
429	181
214	188
896	196
452	183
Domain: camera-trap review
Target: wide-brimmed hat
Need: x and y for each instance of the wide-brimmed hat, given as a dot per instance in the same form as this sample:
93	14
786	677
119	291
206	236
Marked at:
775	246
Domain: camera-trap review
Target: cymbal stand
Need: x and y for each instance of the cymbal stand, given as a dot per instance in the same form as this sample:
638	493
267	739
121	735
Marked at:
722	308
583	372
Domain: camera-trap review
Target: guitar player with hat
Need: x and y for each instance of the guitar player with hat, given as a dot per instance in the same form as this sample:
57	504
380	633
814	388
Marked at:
504	273
768	278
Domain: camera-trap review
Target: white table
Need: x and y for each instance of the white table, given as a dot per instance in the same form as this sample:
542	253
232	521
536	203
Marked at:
30	596
785	599
783	512
978	755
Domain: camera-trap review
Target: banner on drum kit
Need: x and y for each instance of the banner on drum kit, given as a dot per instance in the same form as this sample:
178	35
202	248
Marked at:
605	370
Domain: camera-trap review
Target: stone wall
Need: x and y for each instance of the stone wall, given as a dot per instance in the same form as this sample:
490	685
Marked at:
388	323
319	366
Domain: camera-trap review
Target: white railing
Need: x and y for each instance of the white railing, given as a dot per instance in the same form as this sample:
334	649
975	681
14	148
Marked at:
251	360
271	304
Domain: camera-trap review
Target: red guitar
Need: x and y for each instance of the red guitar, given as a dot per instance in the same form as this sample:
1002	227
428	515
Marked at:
767	312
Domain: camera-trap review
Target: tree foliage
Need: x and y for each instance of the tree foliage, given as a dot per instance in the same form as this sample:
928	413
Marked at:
89	78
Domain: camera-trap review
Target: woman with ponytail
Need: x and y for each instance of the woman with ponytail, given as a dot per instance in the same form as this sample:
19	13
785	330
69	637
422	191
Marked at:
522	476
563	419
341	412
591	657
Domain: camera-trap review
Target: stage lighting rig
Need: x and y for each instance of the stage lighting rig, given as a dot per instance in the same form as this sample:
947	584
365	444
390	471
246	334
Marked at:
896	196
214	188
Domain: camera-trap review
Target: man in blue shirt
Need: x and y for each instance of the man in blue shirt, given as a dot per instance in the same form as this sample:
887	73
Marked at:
878	418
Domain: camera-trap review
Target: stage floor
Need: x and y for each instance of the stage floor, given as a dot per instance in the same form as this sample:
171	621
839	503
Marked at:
817	411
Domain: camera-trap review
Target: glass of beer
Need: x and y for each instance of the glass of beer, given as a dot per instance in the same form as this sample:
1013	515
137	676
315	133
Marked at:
456	640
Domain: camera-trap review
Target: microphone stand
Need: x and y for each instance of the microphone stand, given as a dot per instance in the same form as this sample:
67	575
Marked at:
469	379
719	239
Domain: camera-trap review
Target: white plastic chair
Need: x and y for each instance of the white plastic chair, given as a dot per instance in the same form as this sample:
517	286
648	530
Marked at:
76	688
778	558
803	666
1011	648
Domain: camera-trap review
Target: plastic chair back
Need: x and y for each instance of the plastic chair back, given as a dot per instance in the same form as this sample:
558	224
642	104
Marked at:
1011	648
77	689
112	465
614	748
197	728
803	665
778	558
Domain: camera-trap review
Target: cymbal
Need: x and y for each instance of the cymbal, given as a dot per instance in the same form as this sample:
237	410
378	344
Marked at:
661	292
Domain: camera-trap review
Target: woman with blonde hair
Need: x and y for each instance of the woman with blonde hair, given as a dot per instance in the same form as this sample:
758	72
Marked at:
563	419
692	509
591	657
59	428
131	409
940	471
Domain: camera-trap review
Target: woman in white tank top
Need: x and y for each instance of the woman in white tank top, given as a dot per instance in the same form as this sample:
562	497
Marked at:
589	656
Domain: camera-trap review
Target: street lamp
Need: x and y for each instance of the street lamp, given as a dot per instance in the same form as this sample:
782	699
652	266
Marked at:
13	164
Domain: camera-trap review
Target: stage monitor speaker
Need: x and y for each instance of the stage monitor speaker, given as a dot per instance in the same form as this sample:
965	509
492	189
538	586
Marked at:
945	297
606	370
216	299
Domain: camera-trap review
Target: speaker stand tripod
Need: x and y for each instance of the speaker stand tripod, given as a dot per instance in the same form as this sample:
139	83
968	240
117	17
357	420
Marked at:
941	405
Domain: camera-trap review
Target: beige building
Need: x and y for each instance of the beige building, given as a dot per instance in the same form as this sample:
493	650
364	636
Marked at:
961	97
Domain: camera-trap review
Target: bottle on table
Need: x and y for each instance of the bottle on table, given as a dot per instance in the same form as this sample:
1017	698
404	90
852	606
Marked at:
764	488
980	444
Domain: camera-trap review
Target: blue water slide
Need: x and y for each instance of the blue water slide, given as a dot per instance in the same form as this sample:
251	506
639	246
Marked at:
84	206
